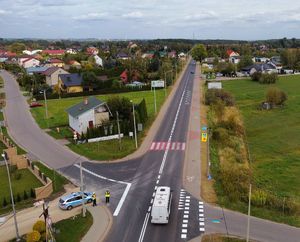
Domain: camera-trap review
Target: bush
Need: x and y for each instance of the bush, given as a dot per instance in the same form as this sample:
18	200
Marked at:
220	135
4	203
32	193
39	226
275	96
213	95
256	76
18	199
25	195
268	78
33	236
232	123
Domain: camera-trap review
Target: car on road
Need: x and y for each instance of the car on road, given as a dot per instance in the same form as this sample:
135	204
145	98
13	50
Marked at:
74	199
192	72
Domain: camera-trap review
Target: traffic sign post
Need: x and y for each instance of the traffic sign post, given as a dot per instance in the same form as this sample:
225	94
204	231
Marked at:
204	137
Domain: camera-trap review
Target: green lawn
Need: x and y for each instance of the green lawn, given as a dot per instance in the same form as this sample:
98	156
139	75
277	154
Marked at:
57	107
58	180
73	230
25	182
64	133
273	136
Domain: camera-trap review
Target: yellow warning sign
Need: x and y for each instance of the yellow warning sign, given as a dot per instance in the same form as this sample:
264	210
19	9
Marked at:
204	137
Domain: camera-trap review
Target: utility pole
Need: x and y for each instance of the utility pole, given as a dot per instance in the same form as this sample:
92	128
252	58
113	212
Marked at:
46	107
119	130
81	189
135	137
155	109
208	161
249	205
165	84
4	155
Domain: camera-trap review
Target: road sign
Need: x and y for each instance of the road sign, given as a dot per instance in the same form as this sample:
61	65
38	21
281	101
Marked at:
140	127
204	137
157	83
204	128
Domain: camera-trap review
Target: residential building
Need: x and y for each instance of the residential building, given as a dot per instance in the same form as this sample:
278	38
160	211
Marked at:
124	77
70	83
71	51
122	56
92	50
263	68
55	62
53	52
88	114
52	74
231	53
98	60
260	59
74	64
234	59
36	69
22	58
30	62
31	52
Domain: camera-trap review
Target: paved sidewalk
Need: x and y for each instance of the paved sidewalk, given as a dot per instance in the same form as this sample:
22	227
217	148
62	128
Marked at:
192	163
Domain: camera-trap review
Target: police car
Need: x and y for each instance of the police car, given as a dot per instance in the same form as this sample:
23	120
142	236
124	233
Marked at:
74	199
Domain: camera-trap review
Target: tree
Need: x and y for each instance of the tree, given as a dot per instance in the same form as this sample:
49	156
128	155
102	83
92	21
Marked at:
89	79
199	52
290	58
275	96
17	47
121	105
246	60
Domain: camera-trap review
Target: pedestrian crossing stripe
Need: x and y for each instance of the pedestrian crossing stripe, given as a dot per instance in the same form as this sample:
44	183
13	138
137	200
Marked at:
168	146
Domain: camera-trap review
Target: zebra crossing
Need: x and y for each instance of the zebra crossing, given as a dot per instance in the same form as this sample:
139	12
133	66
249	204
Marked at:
167	146
188	207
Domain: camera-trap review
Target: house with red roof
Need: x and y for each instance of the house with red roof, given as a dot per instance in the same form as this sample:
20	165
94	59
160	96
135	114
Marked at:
231	53
30	62
53	52
92	50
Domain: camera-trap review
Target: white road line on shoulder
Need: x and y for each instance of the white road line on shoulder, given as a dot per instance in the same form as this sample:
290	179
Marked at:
144	227
128	185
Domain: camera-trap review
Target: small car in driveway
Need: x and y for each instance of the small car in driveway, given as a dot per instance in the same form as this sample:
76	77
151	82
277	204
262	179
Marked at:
35	104
74	199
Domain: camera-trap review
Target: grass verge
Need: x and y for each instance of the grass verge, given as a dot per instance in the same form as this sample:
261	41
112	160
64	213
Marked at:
220	238
73	229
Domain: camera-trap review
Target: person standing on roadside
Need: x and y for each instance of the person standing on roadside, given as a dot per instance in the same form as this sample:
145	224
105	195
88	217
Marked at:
107	196
94	199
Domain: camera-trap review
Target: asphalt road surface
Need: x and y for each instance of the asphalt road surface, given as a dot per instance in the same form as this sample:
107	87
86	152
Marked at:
133	183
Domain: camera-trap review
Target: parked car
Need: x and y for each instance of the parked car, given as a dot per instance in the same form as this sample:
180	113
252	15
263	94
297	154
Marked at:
35	104
74	199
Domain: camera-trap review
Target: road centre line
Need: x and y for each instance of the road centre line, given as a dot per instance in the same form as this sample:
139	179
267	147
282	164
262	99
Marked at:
124	195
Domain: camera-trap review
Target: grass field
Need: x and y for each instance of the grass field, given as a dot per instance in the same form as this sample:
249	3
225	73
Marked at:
273	136
26	182
220	238
57	107
73	230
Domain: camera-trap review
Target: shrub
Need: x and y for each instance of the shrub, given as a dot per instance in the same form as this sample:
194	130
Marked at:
256	76
25	195
39	226
275	96
33	236
213	95
259	198
220	134
32	193
268	78
18	198
232	123
4	203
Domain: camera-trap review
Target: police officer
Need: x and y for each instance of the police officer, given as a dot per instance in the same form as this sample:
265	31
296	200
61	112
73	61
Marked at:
94	199
107	196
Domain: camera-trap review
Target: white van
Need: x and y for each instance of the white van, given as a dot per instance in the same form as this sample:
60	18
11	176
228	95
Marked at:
161	206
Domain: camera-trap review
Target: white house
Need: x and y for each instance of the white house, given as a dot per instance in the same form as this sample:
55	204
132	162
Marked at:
31	52
30	62
88	114
98	60
52	74
234	59
71	51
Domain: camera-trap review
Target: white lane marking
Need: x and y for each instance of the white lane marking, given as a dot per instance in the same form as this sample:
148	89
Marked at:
151	201
168	146
187	204
201	215
173	146
201	203
184	225
187	200
183	236
201	206
144	227
149	209
182	190
153	195
180	208
201	210
186	208
188	197
163	144
152	146
158	177
201	219
201	223
157	181
186	212
128	185
178	146
157	146
183	146
155	188
185	221
202	229
186	216
184	231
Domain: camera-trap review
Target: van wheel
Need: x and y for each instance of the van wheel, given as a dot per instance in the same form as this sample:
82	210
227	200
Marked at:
69	208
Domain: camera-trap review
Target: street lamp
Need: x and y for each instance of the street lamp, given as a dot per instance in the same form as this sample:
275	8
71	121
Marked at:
135	137
11	197
45	99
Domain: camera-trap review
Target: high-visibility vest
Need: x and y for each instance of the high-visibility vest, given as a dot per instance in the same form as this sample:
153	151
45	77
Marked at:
107	194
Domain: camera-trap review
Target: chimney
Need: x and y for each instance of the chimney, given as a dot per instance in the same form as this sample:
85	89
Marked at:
86	101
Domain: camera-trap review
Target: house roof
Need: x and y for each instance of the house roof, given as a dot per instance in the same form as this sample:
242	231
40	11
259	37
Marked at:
70	80
260	67
54	52
50	70
54	60
230	52
29	59
37	69
122	55
84	106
